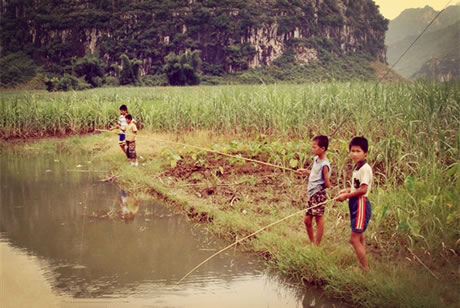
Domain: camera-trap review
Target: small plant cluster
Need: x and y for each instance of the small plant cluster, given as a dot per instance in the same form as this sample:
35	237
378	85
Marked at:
291	154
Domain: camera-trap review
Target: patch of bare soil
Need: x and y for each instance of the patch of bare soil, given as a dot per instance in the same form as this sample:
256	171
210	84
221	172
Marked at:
226	182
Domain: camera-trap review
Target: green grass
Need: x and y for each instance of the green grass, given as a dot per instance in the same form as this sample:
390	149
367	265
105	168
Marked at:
393	281
413	131
414	135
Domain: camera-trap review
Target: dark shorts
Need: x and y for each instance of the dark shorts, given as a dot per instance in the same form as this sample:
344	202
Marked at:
319	197
360	213
131	149
122	139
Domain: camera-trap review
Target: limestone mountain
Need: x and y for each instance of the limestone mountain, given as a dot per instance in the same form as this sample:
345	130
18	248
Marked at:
440	69
230	35
436	54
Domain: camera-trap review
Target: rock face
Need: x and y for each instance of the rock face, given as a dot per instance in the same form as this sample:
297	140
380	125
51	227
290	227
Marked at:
444	69
436	53
232	35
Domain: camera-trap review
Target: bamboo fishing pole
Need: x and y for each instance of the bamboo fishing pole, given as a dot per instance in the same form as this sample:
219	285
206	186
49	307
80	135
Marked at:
238	157
208	150
250	235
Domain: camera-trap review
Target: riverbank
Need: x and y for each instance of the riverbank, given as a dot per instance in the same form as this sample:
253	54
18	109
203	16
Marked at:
235	198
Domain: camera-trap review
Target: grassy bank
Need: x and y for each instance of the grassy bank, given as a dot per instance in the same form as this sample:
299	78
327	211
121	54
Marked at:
235	199
414	136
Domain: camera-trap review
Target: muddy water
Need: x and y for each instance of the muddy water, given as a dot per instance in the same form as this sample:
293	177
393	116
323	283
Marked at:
69	240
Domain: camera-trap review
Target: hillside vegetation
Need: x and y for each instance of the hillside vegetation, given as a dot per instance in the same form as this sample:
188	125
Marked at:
79	44
436	54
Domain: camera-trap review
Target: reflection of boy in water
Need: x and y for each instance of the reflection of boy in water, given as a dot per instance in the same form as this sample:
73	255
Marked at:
129	207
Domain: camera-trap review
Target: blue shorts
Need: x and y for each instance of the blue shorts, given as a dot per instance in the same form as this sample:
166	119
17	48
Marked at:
360	213
122	139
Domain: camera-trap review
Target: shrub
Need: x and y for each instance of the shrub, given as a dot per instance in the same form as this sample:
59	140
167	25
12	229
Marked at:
111	81
213	69
37	83
155	80
91	69
66	83
211	80
131	71
183	69
16	68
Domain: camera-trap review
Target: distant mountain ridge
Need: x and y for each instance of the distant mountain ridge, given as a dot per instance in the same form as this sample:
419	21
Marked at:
436	54
413	21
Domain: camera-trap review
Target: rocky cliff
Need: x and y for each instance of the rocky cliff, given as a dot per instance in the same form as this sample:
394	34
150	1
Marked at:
435	55
232	35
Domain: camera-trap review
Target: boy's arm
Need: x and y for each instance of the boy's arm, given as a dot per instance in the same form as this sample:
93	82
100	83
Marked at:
347	195
303	171
327	183
343	191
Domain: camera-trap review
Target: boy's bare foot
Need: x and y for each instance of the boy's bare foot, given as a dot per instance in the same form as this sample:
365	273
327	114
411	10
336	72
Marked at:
360	270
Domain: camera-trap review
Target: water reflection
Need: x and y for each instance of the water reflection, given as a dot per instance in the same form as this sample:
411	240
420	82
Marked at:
98	241
128	207
126	210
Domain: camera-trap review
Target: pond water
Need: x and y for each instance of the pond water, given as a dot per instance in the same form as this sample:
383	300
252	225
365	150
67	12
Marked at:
69	240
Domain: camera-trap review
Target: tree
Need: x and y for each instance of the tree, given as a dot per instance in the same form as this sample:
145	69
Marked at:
130	70
16	68
90	67
183	69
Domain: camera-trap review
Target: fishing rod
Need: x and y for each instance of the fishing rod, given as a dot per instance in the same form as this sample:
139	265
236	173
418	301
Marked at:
250	235
208	150
233	156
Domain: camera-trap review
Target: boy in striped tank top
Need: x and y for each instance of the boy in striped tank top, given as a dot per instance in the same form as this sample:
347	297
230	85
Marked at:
358	203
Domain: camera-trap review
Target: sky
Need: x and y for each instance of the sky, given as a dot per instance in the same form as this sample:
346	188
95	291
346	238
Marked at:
392	8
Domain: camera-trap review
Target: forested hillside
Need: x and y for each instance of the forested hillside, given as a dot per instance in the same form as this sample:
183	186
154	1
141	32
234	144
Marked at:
93	43
436	53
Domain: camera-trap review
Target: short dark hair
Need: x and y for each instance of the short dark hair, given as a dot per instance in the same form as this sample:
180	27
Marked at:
322	141
128	117
123	107
360	142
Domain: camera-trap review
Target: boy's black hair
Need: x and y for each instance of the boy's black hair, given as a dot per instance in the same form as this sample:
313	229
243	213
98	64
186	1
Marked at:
322	141
128	117
361	142
123	107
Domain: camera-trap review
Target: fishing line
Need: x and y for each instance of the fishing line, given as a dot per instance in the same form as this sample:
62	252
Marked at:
208	150
404	53
85	207
272	165
250	235
238	157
